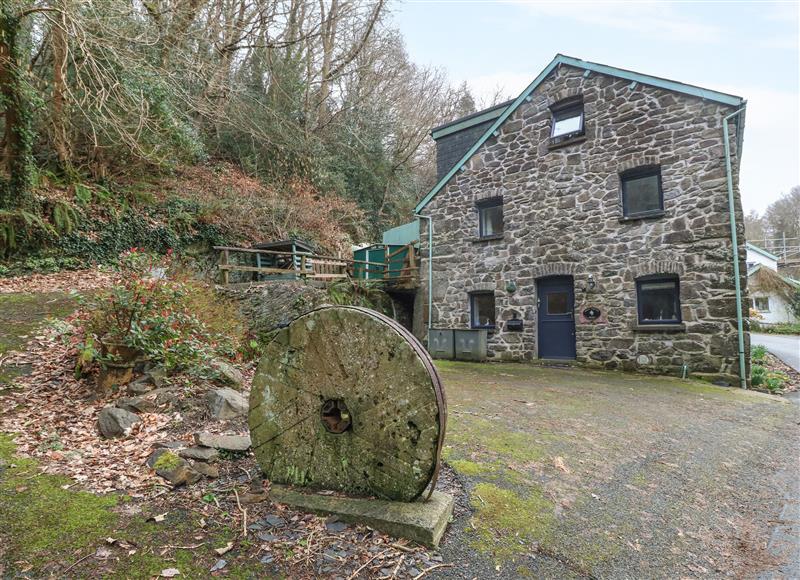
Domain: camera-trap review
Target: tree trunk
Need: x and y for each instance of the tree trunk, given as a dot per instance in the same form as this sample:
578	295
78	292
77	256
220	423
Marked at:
16	160
59	119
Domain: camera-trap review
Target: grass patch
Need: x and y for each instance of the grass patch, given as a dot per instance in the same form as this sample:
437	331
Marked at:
507	524
45	528
490	439
39	521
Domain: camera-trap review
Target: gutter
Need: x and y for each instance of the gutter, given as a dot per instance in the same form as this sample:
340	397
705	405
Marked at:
734	241
430	268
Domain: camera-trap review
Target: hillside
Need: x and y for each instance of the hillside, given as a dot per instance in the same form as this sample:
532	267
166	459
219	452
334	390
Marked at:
187	210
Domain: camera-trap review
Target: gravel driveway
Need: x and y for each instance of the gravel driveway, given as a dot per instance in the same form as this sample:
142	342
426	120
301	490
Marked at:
785	347
581	474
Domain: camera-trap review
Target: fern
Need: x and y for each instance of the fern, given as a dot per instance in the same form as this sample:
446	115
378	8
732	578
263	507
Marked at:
82	193
64	217
14	222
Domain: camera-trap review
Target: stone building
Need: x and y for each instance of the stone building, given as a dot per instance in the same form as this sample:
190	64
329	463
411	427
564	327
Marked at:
594	209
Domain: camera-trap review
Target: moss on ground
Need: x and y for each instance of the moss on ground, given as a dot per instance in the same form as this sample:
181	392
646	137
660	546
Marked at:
508	525
42	522
45	527
490	438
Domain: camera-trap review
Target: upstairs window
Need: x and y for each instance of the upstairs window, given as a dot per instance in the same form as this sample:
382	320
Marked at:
567	120
490	218
641	192
760	303
658	299
481	305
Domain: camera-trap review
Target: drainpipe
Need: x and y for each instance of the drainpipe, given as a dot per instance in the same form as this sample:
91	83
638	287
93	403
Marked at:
430	268
735	243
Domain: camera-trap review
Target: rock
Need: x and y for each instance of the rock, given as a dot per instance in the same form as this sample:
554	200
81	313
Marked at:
249	498
206	454
136	404
175	470
273	521
168	444
267	559
158	376
115	422
225	442
140	386
226	403
210	471
151	461
336	526
267	537
227	374
164	396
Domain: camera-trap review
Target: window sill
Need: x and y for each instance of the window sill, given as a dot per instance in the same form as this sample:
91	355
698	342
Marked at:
643	216
487	238
566	142
676	327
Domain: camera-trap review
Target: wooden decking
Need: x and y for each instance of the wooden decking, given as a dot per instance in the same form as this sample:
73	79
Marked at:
286	265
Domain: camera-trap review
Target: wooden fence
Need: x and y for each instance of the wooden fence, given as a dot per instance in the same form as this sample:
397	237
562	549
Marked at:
283	265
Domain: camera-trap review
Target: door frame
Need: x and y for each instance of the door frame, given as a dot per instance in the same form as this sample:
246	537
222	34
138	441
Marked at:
568	280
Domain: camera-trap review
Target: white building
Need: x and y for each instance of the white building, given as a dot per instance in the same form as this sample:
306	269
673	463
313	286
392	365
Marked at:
770	293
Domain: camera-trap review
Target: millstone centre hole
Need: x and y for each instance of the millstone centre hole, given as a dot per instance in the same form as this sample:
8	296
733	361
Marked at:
335	416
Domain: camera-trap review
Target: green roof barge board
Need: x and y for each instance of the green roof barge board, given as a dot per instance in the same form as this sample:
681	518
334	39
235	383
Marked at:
634	77
761	251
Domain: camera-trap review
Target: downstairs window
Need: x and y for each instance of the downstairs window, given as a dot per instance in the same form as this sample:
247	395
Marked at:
482	309
658	299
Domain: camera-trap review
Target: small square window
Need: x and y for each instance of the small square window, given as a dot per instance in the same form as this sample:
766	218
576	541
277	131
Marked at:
641	192
490	218
558	303
567	120
482	309
659	300
761	303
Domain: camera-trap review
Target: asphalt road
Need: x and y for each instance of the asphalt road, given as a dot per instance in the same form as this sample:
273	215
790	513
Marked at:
785	347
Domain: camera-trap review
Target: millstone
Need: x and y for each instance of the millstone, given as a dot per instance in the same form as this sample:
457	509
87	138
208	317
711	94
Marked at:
346	399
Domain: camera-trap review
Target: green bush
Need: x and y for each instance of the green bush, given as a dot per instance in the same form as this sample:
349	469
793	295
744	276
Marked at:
174	321
782	328
758	353
758	375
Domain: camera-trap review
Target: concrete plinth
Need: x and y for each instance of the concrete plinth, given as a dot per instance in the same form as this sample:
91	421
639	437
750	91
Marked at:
420	521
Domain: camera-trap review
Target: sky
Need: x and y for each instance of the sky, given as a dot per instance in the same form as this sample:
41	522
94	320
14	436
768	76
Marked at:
749	49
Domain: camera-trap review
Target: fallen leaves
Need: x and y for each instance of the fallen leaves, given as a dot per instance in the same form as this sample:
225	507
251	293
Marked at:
65	281
225	549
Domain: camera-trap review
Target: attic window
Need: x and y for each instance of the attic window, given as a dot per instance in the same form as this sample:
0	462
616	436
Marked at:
567	120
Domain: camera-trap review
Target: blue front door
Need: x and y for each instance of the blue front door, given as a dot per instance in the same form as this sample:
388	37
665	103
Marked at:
556	305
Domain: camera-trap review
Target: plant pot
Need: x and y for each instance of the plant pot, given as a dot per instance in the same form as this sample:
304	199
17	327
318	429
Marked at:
119	352
113	374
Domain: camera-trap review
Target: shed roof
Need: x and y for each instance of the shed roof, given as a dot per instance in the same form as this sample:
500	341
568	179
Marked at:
761	251
300	245
675	86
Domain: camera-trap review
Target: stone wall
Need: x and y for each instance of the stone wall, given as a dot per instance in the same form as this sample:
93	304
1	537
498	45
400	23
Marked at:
563	215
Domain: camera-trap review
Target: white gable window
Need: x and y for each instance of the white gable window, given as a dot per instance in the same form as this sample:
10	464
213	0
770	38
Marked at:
567	119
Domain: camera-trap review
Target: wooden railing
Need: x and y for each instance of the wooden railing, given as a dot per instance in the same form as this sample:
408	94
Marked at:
293	265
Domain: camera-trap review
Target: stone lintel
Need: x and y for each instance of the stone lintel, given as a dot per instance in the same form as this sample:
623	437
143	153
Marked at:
421	521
